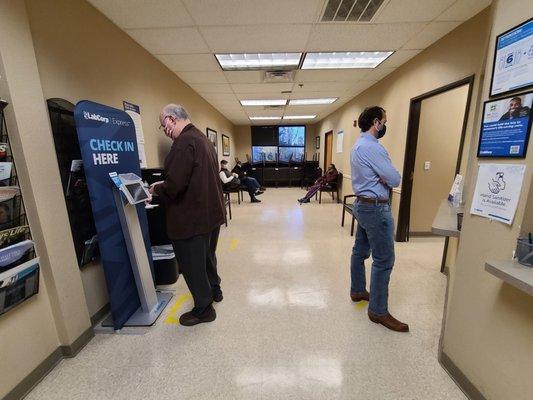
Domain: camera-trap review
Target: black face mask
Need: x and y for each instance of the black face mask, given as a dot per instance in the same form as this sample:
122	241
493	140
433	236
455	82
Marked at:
382	132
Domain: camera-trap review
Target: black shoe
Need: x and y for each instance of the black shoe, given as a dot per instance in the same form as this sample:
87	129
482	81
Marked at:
259	192
217	297
254	200
190	319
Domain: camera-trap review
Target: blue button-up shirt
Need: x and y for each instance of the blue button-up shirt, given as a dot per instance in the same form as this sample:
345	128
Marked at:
370	162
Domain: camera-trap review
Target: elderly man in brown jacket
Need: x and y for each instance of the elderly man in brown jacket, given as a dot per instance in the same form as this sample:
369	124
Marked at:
195	210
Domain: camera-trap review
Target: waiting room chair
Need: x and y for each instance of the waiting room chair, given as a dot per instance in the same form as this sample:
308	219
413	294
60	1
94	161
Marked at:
348	208
227	204
239	192
330	188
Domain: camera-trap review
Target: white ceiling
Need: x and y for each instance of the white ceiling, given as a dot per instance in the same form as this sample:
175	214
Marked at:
184	34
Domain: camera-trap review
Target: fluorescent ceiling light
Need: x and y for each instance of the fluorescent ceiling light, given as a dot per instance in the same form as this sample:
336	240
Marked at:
251	61
309	102
347	59
299	116
277	102
264	118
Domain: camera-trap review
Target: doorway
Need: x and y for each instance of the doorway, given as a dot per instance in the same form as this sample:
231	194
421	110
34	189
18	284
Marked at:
328	149
435	139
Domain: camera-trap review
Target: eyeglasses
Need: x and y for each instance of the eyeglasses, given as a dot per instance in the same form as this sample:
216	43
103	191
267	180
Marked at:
162	126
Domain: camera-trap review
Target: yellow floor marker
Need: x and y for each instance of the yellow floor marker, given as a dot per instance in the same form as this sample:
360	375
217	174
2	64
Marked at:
233	244
361	304
171	318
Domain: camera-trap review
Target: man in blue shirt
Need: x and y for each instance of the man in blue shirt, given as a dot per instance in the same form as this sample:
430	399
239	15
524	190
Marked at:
373	176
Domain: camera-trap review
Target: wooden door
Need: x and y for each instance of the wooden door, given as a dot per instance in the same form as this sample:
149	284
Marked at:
328	148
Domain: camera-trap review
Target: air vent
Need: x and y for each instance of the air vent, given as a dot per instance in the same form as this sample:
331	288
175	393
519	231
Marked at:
350	10
278	76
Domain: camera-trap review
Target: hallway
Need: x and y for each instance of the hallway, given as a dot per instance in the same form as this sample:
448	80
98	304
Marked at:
286	328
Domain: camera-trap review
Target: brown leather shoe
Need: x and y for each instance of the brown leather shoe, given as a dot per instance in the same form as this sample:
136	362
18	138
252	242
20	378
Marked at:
356	297
388	321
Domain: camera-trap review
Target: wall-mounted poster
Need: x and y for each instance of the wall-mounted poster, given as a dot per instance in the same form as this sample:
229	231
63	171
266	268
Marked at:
225	145
505	127
317	145
340	141
513	60
497	191
212	136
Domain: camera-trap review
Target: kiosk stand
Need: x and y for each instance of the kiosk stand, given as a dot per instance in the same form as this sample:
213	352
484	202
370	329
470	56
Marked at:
128	192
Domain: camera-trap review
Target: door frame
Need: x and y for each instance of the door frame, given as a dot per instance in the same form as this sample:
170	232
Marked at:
404	214
327	149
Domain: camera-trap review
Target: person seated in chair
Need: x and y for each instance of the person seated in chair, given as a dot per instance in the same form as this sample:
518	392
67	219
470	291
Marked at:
231	181
245	179
330	177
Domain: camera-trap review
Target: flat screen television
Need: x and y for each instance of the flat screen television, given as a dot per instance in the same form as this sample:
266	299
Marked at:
270	154
286	152
292	136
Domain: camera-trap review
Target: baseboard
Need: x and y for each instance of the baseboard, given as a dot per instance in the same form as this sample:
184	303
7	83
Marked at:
100	314
422	234
35	376
460	378
78	344
49	363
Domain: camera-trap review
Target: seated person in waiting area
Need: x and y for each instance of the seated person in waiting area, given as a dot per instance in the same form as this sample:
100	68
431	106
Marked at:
246	180
231	181
328	178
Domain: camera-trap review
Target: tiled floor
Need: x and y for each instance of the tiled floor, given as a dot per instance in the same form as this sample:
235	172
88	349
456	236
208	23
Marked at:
286	328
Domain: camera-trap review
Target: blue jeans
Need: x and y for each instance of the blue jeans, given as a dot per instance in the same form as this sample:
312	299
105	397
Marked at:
375	235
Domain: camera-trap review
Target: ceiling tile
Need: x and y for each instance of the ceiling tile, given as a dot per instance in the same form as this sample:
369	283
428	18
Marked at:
360	87
307	110
244	76
220	97
203	77
261	88
206	88
145	13
463	10
398	58
412	10
361	37
378	73
321	87
257	38
331	75
190	62
259	112
170	40
249	12
313	95
430	34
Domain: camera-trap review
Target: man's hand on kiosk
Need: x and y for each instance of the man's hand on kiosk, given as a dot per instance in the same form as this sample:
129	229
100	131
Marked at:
151	189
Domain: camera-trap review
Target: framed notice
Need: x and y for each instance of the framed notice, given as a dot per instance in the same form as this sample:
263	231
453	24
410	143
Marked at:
317	142
212	137
225	145
506	127
513	60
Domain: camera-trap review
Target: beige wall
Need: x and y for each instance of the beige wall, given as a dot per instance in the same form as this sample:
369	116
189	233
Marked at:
456	56
439	137
489	324
83	55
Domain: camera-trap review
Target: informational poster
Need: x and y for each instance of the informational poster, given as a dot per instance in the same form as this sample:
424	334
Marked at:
340	141
497	191
506	127
513	60
134	111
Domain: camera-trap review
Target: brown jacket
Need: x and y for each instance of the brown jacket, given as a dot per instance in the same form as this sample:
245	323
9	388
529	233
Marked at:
191	191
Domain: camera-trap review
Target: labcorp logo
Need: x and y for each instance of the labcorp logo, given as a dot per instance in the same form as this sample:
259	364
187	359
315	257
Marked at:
95	117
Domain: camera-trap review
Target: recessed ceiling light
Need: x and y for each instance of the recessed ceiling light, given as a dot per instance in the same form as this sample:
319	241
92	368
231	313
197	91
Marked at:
299	116
254	61
308	102
264	118
276	102
347	59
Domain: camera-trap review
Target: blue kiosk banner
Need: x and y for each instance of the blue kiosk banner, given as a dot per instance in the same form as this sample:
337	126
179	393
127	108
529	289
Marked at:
108	144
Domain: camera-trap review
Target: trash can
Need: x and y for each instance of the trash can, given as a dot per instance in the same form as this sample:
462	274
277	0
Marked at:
165	265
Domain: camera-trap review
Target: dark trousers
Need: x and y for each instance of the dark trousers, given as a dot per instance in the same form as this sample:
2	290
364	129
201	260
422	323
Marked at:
197	261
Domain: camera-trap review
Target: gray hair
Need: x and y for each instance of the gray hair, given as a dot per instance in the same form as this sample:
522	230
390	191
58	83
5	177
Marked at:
175	110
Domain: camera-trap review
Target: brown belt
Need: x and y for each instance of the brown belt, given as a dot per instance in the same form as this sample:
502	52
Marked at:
371	201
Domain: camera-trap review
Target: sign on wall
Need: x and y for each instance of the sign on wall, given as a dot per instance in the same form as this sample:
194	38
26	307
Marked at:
506	127
497	191
340	141
513	60
108	143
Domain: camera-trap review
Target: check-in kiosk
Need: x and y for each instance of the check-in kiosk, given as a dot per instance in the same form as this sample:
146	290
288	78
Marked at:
129	191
